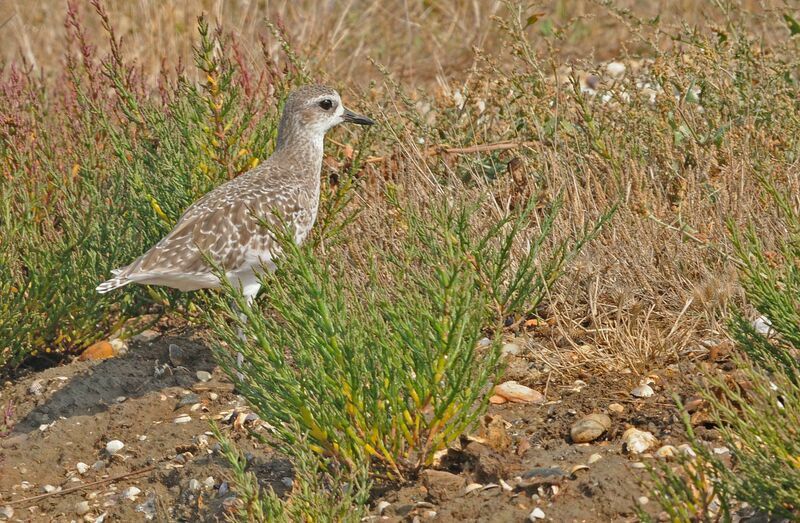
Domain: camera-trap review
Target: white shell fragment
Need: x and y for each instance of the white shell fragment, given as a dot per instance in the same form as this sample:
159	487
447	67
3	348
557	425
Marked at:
638	441
114	446
472	487
589	428
643	391
535	514
514	392
82	467
131	492
183	418
667	452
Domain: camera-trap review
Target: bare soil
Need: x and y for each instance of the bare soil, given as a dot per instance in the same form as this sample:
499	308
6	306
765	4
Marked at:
67	414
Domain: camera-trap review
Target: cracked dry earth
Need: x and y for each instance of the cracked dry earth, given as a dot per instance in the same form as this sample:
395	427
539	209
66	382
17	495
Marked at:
55	464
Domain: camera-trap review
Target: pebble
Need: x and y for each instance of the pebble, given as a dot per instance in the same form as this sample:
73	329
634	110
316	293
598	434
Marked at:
6	512
638	441
141	437
82	508
209	482
687	450
114	446
535	514
643	391
51	488
25	485
666	452
616	408
514	392
638	465
189	399
203	375
615	69
82	467
194	485
99	465
131	493
510	348
643	500
184	418
146	336
213	396
177	355
594	458
589	428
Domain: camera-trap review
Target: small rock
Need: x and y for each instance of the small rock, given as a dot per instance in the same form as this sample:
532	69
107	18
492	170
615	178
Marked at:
131	493
638	465
177	356
50	488
514	392
209	482
589	428
118	346
194	485
203	375
82	508
120	399
666	452
189	399
615	69
537	513
82	467
687	450
484	342
510	348
442	485
643	500
638	441
183	418
146	336
497	400
213	396
99	465
114	446
6	512
616	408
594	458
141	437
763	326
643	391
505	486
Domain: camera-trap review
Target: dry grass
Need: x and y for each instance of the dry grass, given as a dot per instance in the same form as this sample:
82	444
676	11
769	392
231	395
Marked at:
659	281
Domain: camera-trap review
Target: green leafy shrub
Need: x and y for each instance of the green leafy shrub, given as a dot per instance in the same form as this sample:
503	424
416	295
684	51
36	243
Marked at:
386	368
320	491
758	413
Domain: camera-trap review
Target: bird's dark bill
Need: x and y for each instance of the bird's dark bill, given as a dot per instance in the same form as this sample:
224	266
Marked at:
351	117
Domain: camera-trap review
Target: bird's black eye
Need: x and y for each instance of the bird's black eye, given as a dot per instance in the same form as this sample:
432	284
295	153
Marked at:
326	104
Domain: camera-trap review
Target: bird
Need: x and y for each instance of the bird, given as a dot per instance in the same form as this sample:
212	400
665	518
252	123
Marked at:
227	225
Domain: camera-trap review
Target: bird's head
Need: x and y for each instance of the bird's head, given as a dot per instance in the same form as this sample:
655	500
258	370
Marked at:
314	109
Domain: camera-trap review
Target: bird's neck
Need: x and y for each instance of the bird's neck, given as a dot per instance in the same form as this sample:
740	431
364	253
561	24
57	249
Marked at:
300	152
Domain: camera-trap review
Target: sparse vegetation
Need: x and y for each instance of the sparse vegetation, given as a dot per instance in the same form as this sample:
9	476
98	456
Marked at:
502	147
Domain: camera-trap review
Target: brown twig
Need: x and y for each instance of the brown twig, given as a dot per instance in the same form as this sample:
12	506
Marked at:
81	487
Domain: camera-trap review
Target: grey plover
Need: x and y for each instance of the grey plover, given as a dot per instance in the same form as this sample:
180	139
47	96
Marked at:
225	225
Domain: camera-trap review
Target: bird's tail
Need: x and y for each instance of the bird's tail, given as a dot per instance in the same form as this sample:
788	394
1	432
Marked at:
113	283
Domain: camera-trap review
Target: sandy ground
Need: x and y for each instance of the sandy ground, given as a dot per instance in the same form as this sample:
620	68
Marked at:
66	415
